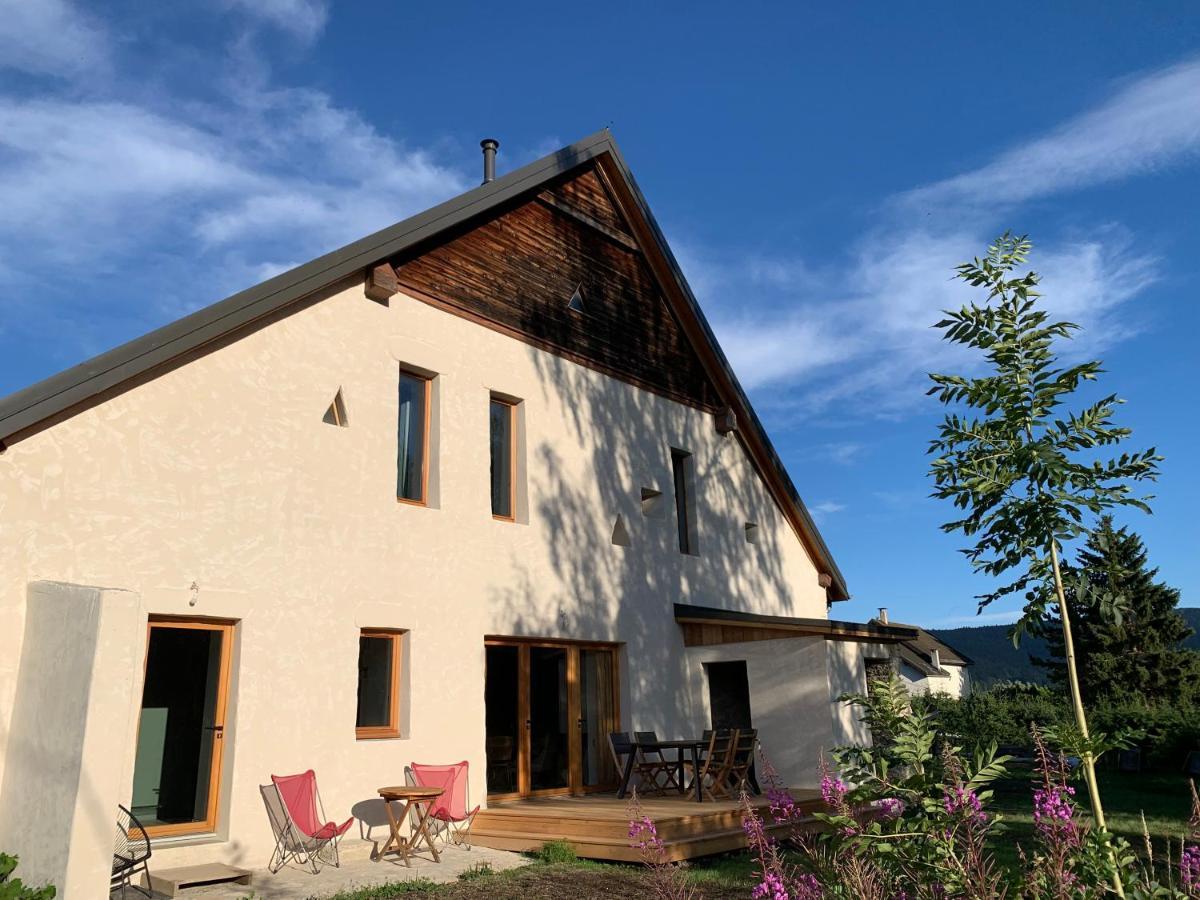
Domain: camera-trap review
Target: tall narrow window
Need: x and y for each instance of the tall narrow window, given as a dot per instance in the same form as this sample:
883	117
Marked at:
503	456
412	438
681	463
379	670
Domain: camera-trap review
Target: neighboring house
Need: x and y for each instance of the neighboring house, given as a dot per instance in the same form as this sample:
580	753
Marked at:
929	665
479	486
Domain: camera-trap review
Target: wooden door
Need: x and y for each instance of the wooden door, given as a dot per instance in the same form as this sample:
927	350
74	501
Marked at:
182	729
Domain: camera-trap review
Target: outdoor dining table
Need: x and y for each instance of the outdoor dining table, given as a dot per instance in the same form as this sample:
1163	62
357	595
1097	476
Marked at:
420	801
695	746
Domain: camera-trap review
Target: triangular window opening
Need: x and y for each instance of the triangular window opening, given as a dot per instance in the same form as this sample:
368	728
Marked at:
336	414
575	304
620	534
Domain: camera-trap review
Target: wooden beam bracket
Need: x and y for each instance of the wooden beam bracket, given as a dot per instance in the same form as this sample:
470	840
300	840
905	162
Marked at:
382	283
548	199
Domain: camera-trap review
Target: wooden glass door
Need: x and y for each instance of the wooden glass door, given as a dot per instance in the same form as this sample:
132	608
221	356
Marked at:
181	731
549	708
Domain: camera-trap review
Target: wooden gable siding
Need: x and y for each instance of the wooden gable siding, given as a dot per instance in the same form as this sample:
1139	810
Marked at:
587	193
518	269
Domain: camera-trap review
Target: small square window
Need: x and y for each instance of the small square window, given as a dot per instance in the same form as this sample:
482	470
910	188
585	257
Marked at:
380	673
751	533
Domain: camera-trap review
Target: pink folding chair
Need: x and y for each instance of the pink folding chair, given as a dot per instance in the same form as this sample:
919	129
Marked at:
452	820
301	830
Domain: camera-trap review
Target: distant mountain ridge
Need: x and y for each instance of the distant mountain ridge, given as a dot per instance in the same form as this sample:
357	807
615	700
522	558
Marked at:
995	658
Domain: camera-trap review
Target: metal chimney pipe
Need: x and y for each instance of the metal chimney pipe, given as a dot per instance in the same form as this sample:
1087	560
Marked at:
490	146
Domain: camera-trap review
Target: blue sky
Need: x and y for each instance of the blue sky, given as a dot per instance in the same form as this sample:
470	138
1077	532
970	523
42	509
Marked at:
818	171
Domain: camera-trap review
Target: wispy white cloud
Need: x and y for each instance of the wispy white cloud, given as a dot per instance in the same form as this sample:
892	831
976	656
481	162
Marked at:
1151	122
827	507
305	19
855	333
241	184
51	37
991	617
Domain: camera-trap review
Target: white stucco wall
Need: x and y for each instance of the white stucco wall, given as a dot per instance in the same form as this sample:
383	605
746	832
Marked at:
221	474
957	685
72	722
847	661
789	700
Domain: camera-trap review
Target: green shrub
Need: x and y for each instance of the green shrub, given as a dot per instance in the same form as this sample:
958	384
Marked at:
1002	715
14	889
387	890
553	852
477	871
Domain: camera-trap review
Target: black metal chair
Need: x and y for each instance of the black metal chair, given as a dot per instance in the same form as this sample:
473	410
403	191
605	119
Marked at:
131	853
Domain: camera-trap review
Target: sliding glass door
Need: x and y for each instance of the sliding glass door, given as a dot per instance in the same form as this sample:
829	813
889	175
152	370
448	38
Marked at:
549	707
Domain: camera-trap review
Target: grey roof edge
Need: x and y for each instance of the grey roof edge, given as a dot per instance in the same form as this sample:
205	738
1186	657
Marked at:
46	399
959	658
913	658
689	611
30	406
719	352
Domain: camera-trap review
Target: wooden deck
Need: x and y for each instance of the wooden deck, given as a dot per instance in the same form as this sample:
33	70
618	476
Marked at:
597	825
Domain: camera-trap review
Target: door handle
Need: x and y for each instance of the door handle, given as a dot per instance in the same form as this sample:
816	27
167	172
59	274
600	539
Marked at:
219	729
528	724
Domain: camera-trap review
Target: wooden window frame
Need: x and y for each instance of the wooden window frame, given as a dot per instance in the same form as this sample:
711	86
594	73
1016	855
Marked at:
574	647
225	629
512	454
428	406
392	729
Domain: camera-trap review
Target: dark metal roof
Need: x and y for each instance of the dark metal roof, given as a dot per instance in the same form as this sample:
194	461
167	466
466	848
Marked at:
686	612
916	652
58	395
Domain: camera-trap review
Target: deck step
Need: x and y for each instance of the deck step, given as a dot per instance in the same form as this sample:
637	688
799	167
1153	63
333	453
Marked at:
608	847
170	882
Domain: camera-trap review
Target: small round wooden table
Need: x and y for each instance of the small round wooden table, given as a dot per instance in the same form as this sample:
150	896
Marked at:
420	801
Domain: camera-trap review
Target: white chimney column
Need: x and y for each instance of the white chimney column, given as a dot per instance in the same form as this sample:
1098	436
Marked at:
883	614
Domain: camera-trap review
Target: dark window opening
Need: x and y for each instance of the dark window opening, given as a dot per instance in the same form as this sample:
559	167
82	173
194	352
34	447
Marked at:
681	463
412	438
502	417
379	666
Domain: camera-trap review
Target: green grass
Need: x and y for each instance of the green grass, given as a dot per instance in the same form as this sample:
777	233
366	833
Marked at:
1164	798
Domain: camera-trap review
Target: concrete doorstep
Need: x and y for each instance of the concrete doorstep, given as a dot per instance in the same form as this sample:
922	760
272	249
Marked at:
357	870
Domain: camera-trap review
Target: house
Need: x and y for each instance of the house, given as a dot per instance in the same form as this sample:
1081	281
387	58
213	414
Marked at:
927	664
479	486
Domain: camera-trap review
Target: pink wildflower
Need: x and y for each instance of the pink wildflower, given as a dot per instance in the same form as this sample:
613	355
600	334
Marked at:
1054	813
643	835
1189	869
960	800
833	789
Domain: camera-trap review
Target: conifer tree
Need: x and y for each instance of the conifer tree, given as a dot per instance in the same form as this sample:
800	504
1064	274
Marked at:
1127	627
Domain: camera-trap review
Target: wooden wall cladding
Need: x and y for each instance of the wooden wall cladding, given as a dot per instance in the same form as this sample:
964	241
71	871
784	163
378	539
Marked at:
518	270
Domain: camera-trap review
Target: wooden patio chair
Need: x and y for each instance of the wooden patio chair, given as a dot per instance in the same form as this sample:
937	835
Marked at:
741	759
715	764
621	746
655	758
